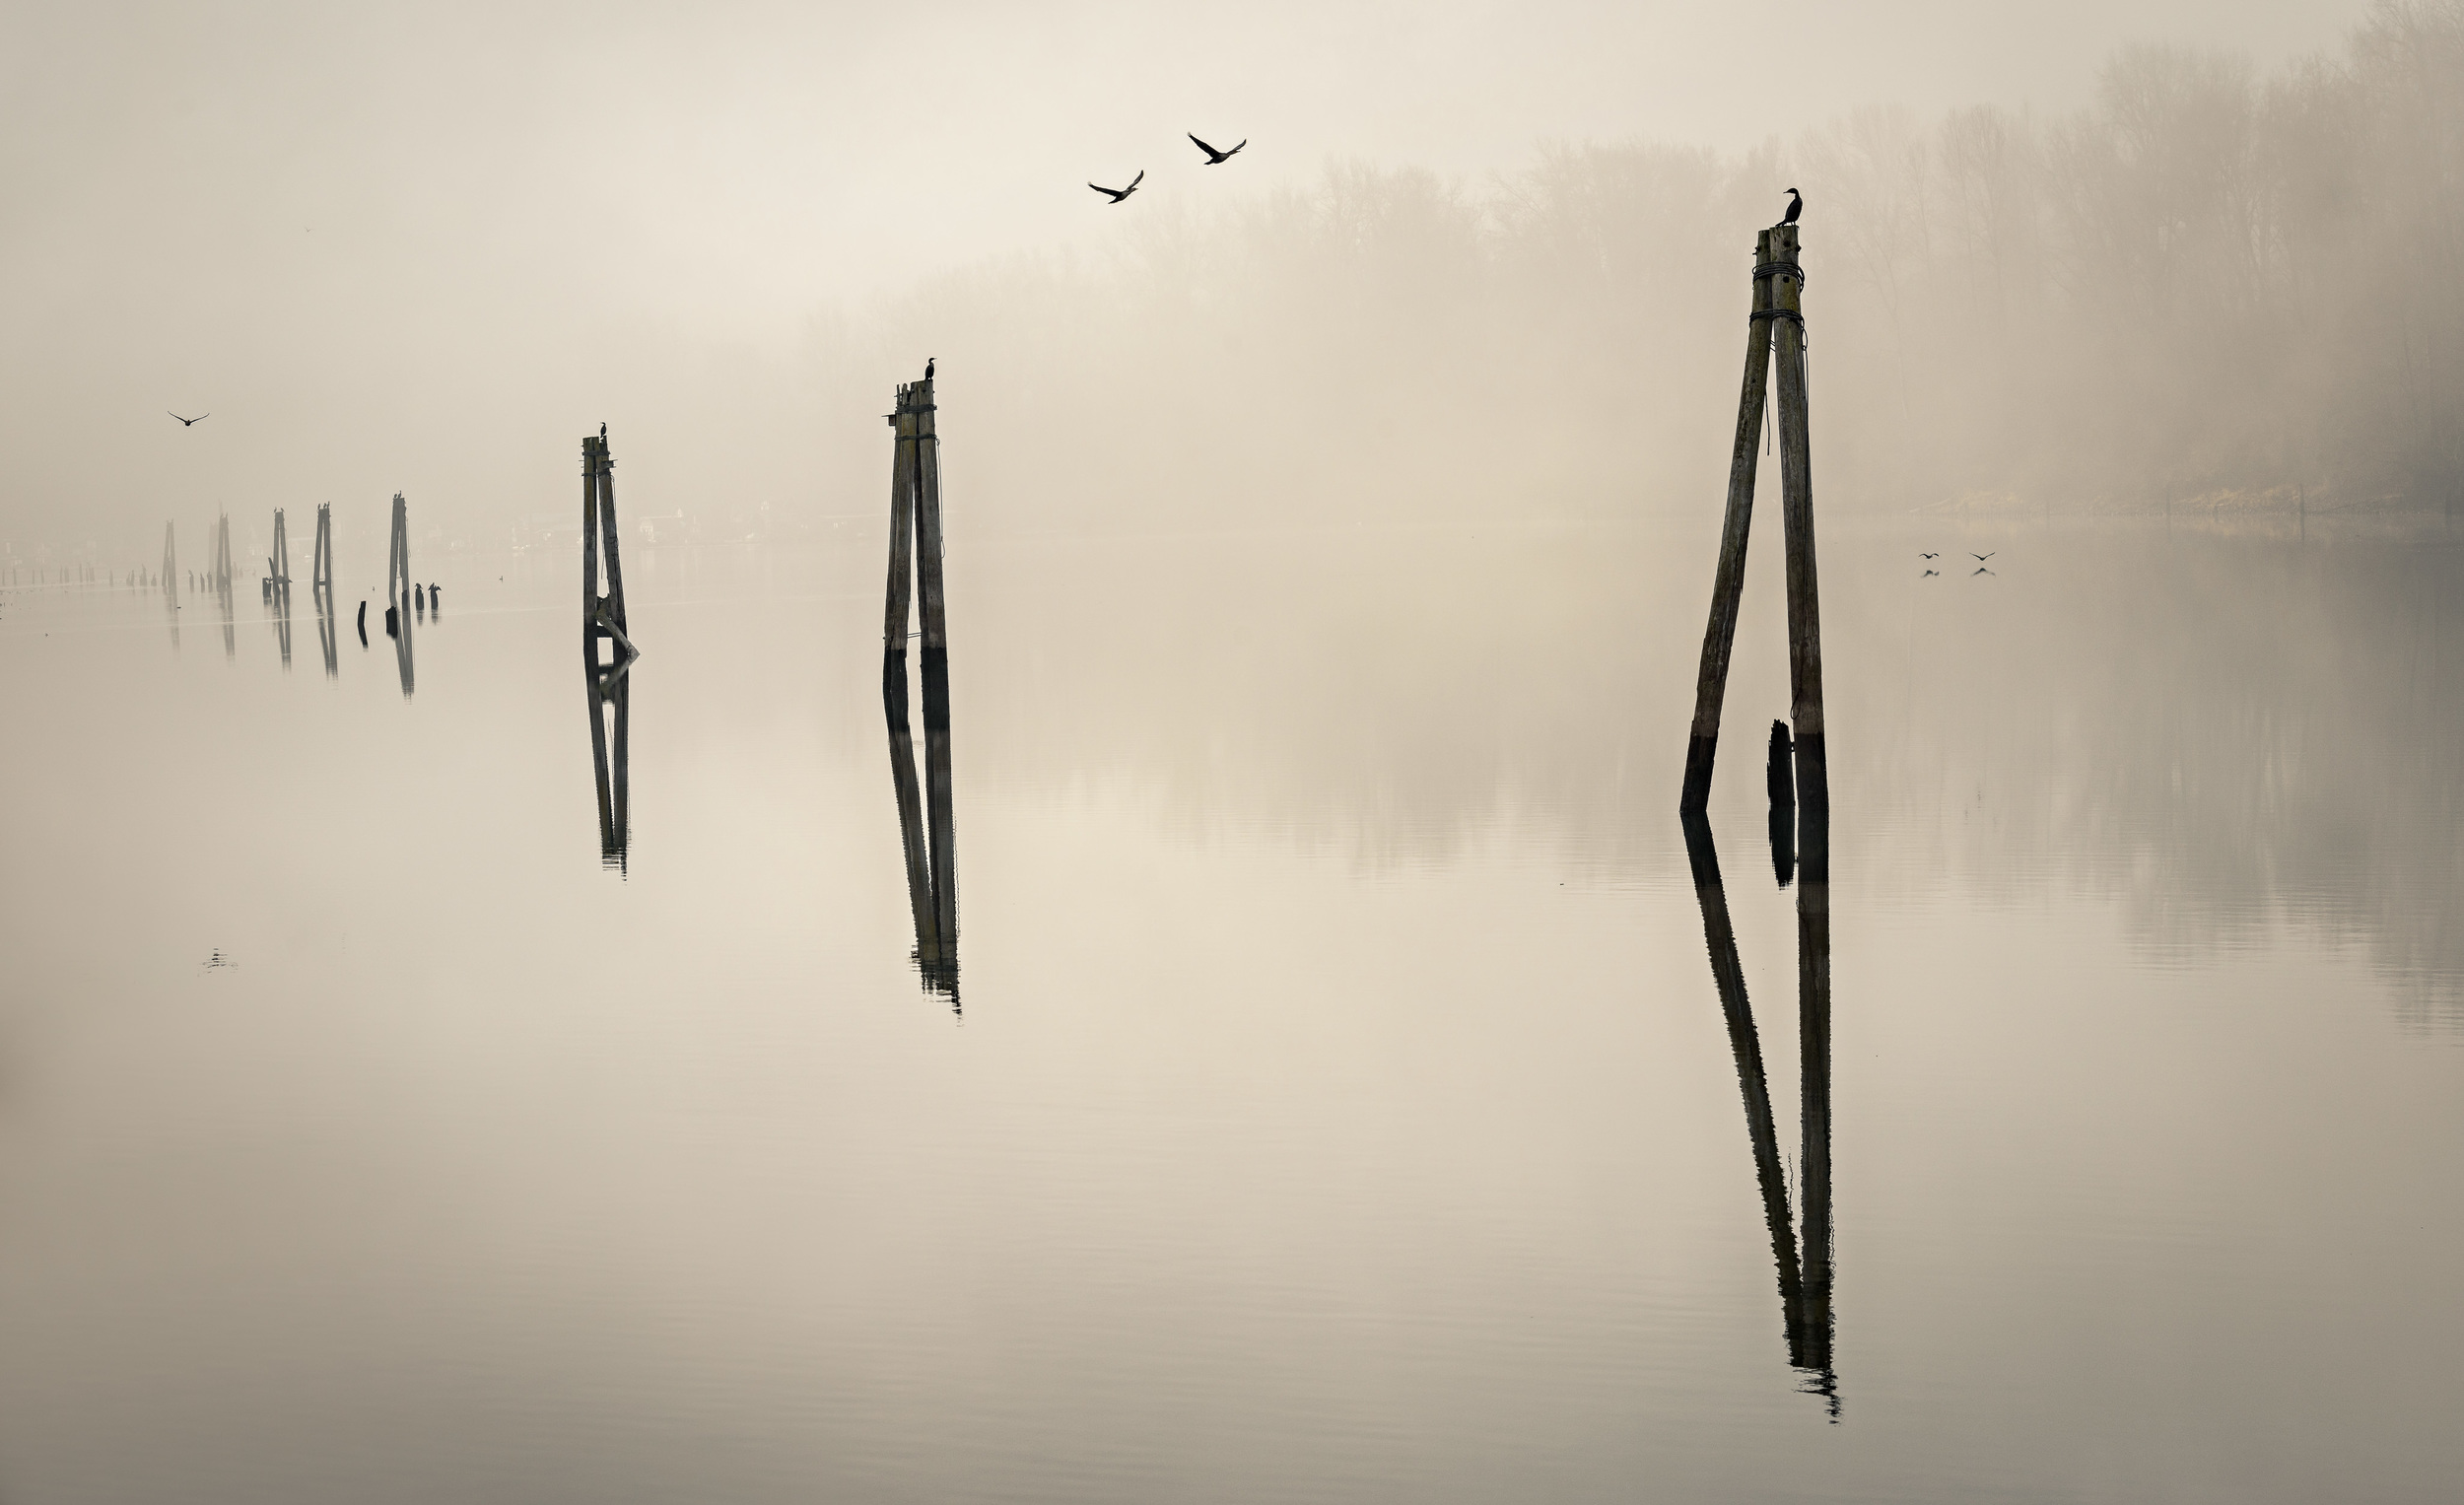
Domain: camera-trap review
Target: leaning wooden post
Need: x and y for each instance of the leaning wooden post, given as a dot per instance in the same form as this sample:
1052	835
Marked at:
1728	582
1805	615
902	569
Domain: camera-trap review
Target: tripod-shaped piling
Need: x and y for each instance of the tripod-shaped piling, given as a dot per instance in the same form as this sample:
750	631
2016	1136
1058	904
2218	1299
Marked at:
1775	334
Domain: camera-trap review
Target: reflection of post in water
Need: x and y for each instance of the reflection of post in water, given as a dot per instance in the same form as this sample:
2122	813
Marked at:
1813	1065
399	591
1804	1287
321	589
927	827
609	685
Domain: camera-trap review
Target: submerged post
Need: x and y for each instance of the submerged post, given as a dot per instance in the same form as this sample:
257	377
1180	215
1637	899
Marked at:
1728	582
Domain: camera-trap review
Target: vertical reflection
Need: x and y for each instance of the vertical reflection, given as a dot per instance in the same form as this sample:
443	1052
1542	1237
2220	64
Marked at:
930	850
1810	1336
611	706
1804	1287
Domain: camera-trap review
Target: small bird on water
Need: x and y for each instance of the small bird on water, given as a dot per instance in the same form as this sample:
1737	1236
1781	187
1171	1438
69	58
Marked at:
1118	194
1215	158
1796	207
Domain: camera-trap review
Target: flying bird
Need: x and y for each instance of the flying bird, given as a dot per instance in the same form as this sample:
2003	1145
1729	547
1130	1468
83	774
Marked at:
1981	558
1796	207
1929	555
1929	572
1118	194
190	423
1980	570
1217	159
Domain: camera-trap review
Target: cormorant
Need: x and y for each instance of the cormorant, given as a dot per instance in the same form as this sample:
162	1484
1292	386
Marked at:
929	364
1217	159
1796	207
1981	558
1929	572
190	423
1929	555
1118	194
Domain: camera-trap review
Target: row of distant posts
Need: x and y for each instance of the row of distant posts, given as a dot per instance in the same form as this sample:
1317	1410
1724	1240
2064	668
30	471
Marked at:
915	557
1798	782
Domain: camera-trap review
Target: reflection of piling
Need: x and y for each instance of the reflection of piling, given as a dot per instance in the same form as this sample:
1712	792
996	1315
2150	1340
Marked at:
1780	779
608	685
1728	975
927	827
1812	1330
1775	338
1804	1265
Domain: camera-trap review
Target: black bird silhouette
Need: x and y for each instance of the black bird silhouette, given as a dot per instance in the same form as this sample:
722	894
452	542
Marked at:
929	364
602	430
1796	207
1118	194
1980	570
1929	572
1981	558
190	423
1929	555
1214	157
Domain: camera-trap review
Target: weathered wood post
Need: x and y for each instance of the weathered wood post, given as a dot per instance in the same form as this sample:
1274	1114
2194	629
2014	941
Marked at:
931	844
894	614
1728	580
1805	615
607	686
398	594
170	563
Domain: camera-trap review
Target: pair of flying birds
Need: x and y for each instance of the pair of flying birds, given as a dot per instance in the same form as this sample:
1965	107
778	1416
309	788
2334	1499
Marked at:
1214	159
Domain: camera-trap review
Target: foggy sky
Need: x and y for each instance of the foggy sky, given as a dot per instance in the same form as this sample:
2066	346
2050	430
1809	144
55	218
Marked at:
424	249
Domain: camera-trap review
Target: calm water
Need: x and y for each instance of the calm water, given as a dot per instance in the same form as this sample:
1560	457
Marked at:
1332	1095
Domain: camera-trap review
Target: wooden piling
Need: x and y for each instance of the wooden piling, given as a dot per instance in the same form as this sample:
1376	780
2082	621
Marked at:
1805	616
902	533
1728	582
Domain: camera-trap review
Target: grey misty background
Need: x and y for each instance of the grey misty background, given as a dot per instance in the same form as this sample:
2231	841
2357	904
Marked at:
2209	280
1478	263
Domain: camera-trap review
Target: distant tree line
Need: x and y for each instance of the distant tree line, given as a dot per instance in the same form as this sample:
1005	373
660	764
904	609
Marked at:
2206	281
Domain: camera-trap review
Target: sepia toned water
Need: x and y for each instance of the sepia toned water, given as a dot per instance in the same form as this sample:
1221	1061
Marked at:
1330	1092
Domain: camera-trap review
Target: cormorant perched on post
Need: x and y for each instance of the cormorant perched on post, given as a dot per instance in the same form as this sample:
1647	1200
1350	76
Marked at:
928	362
1796	207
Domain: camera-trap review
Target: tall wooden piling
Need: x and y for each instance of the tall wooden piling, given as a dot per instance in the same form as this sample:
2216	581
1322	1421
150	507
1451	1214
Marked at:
170	563
1805	614
915	561
1775	338
608	685
1728	582
399	586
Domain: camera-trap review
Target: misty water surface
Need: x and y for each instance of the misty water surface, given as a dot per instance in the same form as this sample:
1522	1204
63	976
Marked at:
1330	1097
